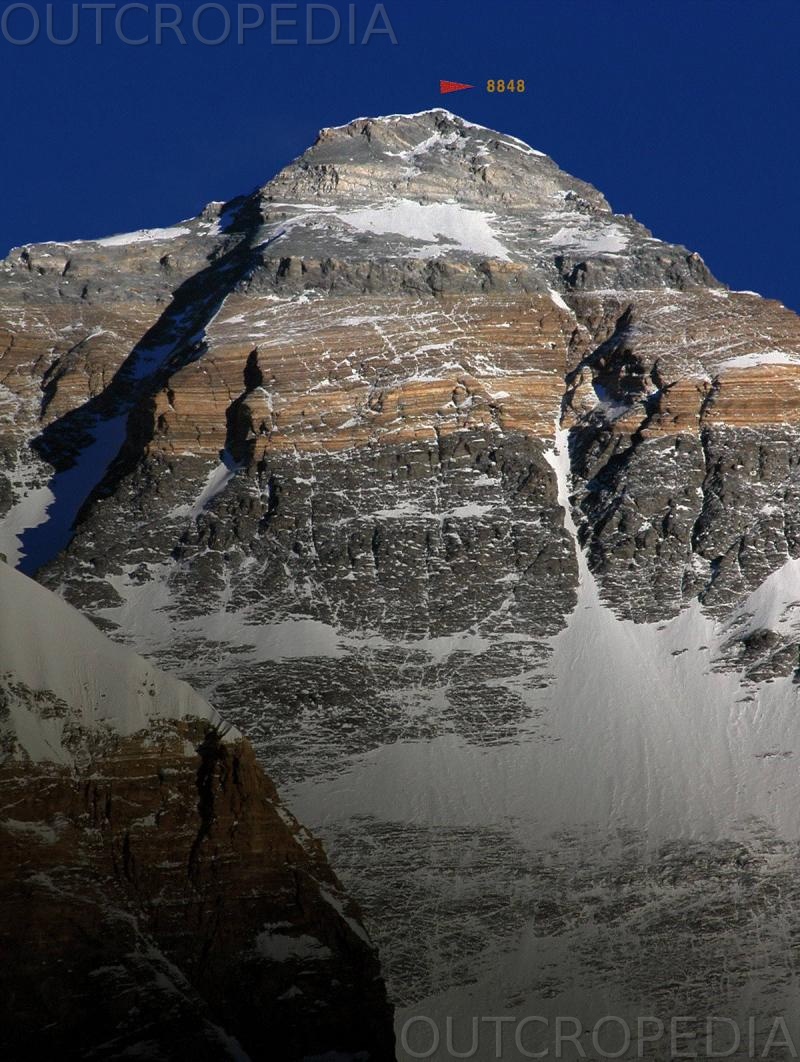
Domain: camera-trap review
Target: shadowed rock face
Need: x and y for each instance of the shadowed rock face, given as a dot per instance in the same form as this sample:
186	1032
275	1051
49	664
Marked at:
163	901
476	506
156	899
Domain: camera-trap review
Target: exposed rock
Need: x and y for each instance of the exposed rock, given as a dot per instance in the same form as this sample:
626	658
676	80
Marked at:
379	404
156	898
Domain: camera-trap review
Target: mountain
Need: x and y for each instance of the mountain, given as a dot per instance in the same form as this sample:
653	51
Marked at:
157	899
475	506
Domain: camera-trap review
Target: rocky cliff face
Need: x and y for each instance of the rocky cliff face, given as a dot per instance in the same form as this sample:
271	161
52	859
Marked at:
157	900
475	504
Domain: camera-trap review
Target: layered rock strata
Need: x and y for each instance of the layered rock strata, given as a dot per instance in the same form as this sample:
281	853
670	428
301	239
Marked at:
475	503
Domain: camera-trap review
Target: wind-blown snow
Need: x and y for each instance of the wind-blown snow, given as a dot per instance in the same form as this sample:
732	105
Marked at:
448	226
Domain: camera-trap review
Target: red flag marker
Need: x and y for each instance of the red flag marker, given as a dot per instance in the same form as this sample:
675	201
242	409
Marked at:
452	86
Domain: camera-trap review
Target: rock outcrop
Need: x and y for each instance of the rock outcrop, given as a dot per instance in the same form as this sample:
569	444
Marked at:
156	898
476	505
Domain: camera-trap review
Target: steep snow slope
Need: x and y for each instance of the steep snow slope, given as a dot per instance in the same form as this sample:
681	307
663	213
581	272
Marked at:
47	646
640	838
640	731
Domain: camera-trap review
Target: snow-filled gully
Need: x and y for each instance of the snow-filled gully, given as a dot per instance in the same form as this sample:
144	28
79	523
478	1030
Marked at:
650	757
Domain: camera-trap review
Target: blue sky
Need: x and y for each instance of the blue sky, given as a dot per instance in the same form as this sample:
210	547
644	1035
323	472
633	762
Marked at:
683	112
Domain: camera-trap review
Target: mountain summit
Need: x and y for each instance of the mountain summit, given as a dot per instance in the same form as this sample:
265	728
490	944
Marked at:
432	185
475	507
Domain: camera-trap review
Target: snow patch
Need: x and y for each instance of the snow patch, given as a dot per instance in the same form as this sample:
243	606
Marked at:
641	733
43	521
558	300
278	947
218	479
49	646
36	831
513	141
580	239
142	236
447	226
338	906
764	357
29	512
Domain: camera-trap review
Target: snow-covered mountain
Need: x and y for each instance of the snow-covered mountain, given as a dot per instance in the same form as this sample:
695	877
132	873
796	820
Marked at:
475	506
156	899
52	655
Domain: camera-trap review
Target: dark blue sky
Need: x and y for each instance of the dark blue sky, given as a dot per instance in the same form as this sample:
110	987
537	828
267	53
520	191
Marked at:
683	112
